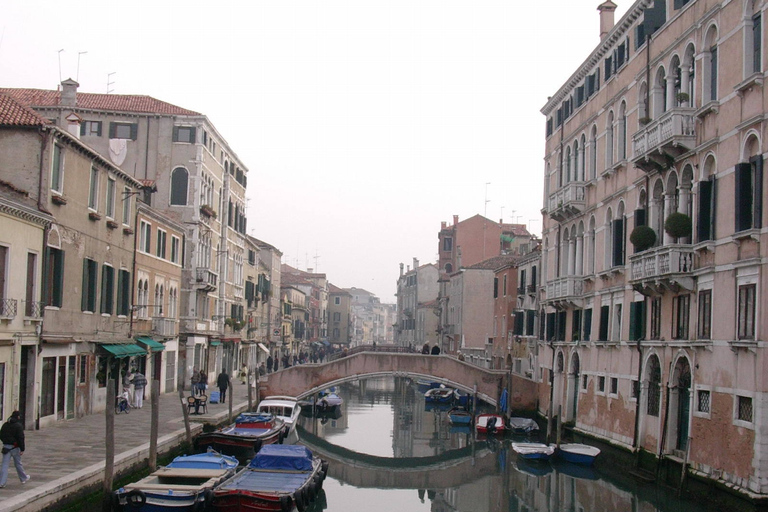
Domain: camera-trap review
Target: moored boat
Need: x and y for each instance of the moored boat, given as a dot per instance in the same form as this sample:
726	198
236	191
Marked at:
326	402
245	437
578	453
186	484
440	395
490	424
284	407
534	451
522	425
459	416
279	478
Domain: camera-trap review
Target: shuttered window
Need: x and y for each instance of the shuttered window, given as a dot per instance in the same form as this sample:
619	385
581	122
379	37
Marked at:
637	320
90	278
54	289
123	292
179	186
749	191
107	289
618	242
587	324
123	131
705	225
184	134
605	312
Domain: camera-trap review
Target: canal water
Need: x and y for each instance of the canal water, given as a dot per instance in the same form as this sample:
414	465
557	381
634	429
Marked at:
389	451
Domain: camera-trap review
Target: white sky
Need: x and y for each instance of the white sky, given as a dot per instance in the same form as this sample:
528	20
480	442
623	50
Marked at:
363	123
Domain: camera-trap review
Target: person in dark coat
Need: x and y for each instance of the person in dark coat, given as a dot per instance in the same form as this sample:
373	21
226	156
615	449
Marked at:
425	349
269	364
277	361
435	350
223	383
12	437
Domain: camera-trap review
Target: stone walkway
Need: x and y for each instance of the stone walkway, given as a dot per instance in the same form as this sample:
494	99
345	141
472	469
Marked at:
70	455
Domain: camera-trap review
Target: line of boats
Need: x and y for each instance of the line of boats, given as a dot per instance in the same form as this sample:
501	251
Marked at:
273	477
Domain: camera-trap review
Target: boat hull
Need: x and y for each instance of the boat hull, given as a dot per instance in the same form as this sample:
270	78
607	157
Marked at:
578	454
481	425
533	451
240	446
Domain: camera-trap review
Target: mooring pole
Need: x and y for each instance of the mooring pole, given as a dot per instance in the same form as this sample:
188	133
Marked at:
109	458
154	425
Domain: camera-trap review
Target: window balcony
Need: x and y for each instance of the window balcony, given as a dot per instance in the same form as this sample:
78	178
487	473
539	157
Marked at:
661	268
33	310
656	145
162	326
207	280
568	202
565	291
8	309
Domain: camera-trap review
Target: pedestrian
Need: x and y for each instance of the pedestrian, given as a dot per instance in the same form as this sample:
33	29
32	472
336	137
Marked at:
286	362
12	437
425	349
461	356
223	383
203	384
435	350
277	361
262	369
195	381
244	374
269	364
139	383
127	378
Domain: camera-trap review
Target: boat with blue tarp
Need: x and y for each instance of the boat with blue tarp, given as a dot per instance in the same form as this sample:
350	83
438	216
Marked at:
186	484
279	478
245	437
459	416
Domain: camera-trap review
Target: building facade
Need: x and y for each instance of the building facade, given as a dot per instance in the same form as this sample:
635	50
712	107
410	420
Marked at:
415	286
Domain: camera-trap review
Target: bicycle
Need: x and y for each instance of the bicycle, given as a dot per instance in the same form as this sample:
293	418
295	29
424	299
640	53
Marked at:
122	405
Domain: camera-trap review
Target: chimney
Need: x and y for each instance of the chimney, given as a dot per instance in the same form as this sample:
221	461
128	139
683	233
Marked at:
73	124
415	263
455	219
401	270
442	225
607	10
458	258
69	93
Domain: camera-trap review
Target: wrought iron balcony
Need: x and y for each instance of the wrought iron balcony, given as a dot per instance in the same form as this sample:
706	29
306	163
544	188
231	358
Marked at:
164	326
8	309
667	266
565	291
33	309
657	145
567	202
532	289
207	280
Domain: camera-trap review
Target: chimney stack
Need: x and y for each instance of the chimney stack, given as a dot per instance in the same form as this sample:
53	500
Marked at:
442	225
607	10
415	263
455	219
69	93
401	269
73	124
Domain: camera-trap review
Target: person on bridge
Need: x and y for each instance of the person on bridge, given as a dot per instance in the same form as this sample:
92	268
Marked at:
223	383
269	364
425	349
435	350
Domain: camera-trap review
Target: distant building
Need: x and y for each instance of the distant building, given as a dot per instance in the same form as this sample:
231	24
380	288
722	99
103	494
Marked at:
339	312
415	286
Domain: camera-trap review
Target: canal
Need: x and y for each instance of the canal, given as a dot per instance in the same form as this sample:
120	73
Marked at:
389	451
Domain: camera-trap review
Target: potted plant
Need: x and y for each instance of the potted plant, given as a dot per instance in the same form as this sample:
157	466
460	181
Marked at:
645	120
643	238
94	215
682	97
59	200
208	211
111	224
678	225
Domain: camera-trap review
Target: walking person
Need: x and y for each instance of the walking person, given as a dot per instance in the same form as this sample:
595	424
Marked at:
244	374
223	383
202	385
269	364
195	381
139	383
127	378
12	437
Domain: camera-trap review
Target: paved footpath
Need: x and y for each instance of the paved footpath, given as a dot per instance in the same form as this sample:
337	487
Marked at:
70	455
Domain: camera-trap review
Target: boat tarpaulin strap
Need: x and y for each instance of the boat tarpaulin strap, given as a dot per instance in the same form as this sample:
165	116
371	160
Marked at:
121	350
264	348
151	344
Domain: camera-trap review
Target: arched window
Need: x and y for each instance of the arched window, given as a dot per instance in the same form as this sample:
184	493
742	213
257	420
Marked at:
593	153
179	185
709	82
654	386
659	93
609	141
582	164
567	165
623	131
448	268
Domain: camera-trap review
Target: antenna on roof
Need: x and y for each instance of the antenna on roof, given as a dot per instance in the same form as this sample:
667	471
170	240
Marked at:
110	82
60	64
78	65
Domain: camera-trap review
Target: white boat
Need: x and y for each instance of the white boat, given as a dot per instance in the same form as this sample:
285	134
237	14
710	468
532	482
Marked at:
534	451
578	453
284	407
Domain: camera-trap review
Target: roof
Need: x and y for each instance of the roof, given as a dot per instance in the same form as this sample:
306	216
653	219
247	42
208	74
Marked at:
515	229
335	290
494	263
92	101
263	245
289	279
13	113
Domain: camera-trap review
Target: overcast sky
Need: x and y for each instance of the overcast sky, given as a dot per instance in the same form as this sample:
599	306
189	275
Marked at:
363	123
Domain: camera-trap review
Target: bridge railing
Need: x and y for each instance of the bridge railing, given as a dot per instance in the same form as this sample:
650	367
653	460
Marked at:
395	349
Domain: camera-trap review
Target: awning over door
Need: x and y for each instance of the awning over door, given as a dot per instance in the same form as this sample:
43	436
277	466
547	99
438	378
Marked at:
120	350
152	345
264	348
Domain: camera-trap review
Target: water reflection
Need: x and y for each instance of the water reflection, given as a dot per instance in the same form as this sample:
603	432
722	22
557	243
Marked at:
390	451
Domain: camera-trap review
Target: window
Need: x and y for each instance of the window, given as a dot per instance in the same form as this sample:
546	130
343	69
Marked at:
587	324
123	292
184	134
637	320
576	325
746	314
447	244
127	206
681	310
90	128
749	191
93	200
83	369
57	170
4	264
704	323
110	198
88	300
635	389
744	412
337	300
601	384
31	304
656	318
145	230
614	386
337	317
495	287
706	221
179	178
654	387
604	320
162	239
174	249
54	289
617	230
107	289
757	46
702	401
101	373
504	286
123	131
159	300
713	73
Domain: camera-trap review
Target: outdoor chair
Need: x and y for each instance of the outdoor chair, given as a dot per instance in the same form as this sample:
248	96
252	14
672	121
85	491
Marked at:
203	404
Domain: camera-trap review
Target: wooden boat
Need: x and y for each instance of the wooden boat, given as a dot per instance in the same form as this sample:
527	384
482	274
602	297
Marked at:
534	451
326	401
284	407
440	395
245	437
459	416
578	453
522	425
490	424
186	484
279	478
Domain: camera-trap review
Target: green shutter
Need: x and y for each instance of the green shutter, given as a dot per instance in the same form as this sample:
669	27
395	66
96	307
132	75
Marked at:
134	131
587	324
743	201
632	320
84	298
112	130
58	278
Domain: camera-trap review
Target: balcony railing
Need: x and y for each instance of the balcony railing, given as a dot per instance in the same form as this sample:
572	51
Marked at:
567	202
164	326
8	309
661	262
532	288
206	279
658	143
565	287
33	309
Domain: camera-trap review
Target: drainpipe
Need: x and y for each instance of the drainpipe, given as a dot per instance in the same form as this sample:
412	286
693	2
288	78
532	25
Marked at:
133	271
635	437
46	233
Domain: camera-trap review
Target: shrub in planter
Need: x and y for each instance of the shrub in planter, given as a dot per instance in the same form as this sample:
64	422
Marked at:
682	96
645	120
678	225
643	238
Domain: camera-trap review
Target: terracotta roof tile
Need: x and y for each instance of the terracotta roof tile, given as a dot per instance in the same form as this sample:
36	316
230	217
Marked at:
93	101
13	113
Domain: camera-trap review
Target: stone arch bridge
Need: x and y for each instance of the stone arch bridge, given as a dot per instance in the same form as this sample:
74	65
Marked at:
306	379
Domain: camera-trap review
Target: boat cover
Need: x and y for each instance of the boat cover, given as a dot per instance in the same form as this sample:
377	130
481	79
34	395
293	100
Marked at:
250	417
210	460
293	457
523	424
